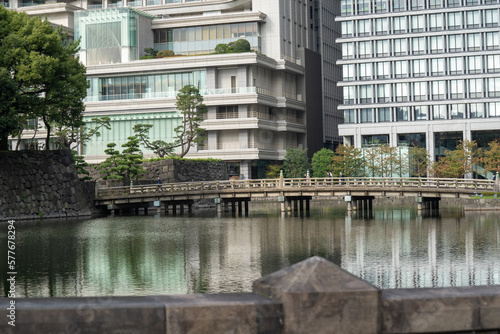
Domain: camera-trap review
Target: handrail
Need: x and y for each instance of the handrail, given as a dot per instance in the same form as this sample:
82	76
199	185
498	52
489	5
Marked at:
309	183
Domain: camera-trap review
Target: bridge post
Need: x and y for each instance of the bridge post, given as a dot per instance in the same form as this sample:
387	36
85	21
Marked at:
497	183
217	201
308	208
240	210
301	202
246	208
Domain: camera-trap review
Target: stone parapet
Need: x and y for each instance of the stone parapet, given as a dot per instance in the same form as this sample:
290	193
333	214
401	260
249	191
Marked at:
313	296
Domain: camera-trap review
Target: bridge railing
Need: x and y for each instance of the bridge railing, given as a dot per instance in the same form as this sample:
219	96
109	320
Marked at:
310	183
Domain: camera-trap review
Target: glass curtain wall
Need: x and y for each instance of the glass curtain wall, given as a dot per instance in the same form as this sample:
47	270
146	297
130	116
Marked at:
204	39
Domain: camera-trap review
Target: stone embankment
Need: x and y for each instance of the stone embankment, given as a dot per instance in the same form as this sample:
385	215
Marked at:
170	171
40	184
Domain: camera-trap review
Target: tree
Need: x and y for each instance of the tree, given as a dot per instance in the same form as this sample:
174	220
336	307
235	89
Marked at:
125	165
418	161
273	171
240	45
190	104
9	120
160	147
490	159
150	53
321	162
50	80
348	160
80	165
458	162
295	163
69	136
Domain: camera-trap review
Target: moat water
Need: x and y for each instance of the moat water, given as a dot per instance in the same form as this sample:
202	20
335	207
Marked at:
204	253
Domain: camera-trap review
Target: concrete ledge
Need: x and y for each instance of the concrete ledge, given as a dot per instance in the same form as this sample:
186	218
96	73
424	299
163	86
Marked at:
436	310
312	296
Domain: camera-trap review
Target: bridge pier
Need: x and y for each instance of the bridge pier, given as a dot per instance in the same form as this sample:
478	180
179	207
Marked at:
428	204
360	204
296	204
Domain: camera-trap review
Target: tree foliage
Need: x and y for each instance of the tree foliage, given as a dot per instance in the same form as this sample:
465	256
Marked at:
321	162
240	45
295	164
123	166
458	162
418	159
50	81
9	120
348	160
80	165
490	158
273	171
70	136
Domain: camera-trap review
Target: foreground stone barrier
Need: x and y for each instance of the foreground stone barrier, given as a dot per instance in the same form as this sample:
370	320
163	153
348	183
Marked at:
313	296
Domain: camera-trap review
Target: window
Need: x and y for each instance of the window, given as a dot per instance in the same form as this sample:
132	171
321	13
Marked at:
383	70
418	23
438	90
349	116
494	87
417	4
420	91
420	113
398	5
437	66
455	43
366	115
457	89
399	25
346	7
419	68
384	114
491	18
457	111
456	65
363	6
401	69
381	6
493	63
347	29
473	19
349	94
348	72
454	3
365	94
418	45
401	114
439	112
435	3
475	64
381	26
475	88
476	110
364	28
365	71
384	93
400	47
375	140
492	40
401	90
382	48
436	44
454	21
365	49
347	50
436	22
494	109
473	42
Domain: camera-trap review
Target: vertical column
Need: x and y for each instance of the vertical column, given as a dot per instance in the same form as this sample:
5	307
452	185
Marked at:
301	201
246	208
240	211
245	169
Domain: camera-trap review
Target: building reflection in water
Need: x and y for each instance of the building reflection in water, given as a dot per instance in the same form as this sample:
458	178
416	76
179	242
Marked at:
202	254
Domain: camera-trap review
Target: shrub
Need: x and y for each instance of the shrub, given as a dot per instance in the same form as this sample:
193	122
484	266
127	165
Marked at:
165	53
241	45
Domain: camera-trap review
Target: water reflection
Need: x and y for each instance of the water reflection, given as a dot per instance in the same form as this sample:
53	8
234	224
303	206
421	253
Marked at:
209	254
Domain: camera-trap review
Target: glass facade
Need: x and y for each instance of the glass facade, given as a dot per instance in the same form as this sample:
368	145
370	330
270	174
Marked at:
144	86
204	39
108	36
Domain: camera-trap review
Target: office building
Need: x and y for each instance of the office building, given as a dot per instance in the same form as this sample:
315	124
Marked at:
422	72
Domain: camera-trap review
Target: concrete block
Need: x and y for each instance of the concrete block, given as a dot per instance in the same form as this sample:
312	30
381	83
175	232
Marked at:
440	309
320	297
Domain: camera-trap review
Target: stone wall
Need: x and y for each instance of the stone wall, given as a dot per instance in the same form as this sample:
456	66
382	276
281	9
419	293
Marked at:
40	184
171	171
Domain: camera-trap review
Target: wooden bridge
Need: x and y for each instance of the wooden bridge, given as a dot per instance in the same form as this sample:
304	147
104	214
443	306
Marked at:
292	193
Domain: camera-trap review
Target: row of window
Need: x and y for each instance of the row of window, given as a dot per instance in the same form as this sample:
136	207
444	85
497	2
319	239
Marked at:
422	68
421	23
361	7
422	91
422	113
421	45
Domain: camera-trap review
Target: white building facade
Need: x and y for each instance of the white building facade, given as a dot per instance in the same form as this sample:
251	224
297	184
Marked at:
421	72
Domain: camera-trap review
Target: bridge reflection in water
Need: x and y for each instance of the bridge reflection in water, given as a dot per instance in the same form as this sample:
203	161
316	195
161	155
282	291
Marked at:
200	254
